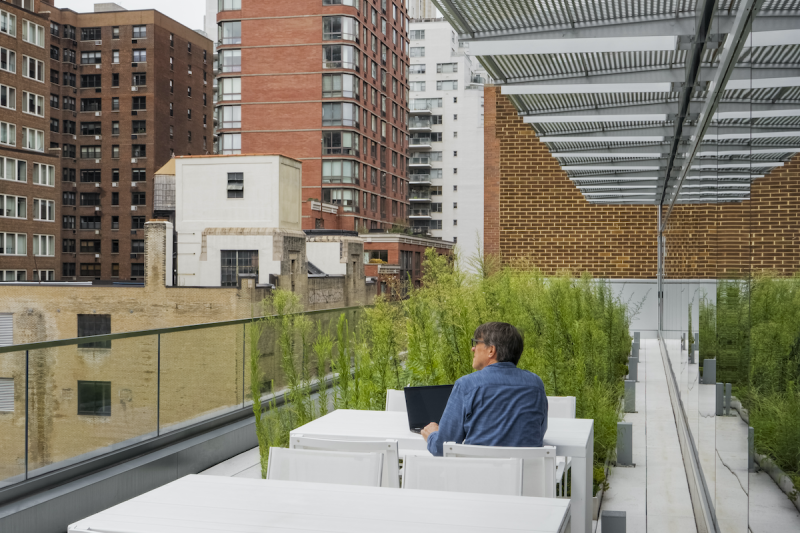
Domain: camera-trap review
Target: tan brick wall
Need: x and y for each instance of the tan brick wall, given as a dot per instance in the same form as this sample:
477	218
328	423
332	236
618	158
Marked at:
534	211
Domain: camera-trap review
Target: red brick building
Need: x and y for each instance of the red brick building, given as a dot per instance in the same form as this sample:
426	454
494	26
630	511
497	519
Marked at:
127	91
392	257
325	84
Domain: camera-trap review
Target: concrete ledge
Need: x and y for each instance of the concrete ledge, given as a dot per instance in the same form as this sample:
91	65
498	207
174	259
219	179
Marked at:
55	509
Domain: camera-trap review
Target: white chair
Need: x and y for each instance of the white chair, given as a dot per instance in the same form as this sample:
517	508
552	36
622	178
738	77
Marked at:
318	466
396	400
483	476
539	464
561	407
387	448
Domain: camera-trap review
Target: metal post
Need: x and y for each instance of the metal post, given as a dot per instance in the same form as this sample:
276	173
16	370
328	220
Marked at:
727	399
612	522
637	337
624	444
633	368
751	449
630	396
720	399
709	371
635	350
158	392
244	356
27	408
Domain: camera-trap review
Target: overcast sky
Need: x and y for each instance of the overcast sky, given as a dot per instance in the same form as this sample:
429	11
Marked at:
187	12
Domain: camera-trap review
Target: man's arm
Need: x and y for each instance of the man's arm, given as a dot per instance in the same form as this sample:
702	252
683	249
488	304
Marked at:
451	426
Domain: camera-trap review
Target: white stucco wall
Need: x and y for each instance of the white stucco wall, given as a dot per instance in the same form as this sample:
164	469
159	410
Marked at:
326	256
271	202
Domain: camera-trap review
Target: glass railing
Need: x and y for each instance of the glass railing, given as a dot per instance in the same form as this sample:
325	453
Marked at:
420	106
420	141
419	213
419	124
419	195
82	398
418	178
420	161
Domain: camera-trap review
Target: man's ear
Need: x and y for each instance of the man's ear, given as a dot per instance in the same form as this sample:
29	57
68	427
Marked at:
492	351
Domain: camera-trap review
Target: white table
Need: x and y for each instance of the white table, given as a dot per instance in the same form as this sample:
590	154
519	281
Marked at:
206	504
571	437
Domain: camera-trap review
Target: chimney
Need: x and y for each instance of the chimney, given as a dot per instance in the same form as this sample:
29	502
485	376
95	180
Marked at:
158	254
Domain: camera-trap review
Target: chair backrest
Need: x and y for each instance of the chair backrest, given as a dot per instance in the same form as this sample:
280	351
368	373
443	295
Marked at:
319	466
538	470
485	476
396	400
561	406
388	448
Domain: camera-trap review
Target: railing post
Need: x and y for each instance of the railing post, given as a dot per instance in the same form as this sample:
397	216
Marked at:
27	409
158	391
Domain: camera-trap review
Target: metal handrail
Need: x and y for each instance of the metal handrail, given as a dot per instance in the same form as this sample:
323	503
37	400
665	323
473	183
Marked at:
144	333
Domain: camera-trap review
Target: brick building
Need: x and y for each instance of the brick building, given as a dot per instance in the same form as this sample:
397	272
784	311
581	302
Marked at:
534	211
327	85
395	258
110	75
29	199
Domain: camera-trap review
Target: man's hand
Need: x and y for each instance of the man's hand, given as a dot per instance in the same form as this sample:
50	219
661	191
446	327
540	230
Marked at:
433	427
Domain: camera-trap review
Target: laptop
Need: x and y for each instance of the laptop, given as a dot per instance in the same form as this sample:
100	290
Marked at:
425	405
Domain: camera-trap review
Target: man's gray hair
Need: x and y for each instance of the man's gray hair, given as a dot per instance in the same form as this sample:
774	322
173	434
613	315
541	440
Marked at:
504	337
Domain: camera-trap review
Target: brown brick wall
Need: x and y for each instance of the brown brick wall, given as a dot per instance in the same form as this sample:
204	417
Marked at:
533	211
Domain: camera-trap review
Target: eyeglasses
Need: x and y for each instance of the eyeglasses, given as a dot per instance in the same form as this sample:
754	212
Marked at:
476	342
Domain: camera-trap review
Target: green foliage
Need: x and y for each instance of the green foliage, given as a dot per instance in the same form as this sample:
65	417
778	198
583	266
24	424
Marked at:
754	332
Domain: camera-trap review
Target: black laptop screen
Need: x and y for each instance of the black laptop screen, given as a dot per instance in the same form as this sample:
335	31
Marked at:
426	404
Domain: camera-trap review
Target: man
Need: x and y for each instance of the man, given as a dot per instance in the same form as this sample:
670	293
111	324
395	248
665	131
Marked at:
500	405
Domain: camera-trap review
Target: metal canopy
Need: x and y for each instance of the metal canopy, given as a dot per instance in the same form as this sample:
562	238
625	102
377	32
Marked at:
647	101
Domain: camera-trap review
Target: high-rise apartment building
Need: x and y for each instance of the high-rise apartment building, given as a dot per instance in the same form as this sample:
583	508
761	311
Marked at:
29	196
446	128
325	82
422	9
125	91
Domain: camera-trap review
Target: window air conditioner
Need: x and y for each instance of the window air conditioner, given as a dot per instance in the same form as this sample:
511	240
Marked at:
97	232
97	256
115	184
133	160
98	43
98	137
134	183
133	208
98	113
134	88
96	184
97	161
97	208
98	67
74	184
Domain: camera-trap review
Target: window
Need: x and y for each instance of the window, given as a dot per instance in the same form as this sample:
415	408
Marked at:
13	206
446	68
115	56
68	198
137	222
171	86
137	246
235	185
339	28
189	92
55	52
115	103
68	150
92	222
114	270
140	32
115	151
8	134
230	143
383	26
69	57
140	55
115	79
69	80
94	397
90	198
435	136
230	32
236	263
189	47
33	139
416	85
340	171
229	116
139	127
115	32
90	152
376	256
90	80
447	85
339	85
32	33
44	175
347	198
340	142
115	128
340	114
230	61
91	58
68	174
115	246
139	103
115	174
90	34
138	198
189	114
91	104
54	125
229	89
139	150
90	176
33	104
44	210
138	79
68	269
417	51
138	174
8	97
340	56
8	23
235	5
32	68
68	222
68	246
189	136
8	60
417	35
13	244
44	245
436	224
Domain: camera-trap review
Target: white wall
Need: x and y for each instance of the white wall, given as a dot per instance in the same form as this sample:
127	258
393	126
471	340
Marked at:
271	202
327	257
442	47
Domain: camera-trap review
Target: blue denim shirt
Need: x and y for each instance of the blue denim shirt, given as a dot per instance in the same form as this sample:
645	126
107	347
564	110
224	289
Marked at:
500	405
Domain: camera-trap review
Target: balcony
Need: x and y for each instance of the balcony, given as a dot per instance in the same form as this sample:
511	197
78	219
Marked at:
419	124
419	214
419	162
419	143
420	179
420	108
420	196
